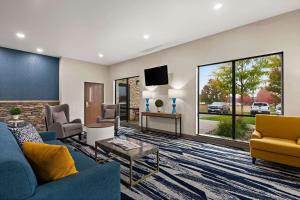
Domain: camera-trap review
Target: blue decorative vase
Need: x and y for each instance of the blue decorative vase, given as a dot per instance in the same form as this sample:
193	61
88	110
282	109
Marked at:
147	105
174	105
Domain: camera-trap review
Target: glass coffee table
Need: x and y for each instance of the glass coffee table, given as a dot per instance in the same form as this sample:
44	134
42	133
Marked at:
132	155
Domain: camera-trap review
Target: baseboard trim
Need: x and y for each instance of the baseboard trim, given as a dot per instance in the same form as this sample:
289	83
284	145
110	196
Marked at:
219	141
204	138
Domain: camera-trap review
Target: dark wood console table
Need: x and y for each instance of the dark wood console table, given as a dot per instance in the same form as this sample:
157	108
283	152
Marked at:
176	117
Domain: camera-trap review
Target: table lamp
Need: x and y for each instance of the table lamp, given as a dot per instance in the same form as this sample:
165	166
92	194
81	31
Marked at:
173	94
147	95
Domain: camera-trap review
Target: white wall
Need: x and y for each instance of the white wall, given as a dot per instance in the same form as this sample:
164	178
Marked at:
73	74
281	33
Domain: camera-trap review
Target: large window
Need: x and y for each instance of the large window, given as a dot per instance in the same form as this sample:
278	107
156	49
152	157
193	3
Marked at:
231	94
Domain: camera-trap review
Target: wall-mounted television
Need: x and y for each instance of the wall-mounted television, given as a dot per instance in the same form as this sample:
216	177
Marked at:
156	76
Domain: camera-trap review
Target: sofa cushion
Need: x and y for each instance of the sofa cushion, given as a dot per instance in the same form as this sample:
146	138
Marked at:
26	134
60	117
57	142
276	145
100	182
46	136
17	180
82	162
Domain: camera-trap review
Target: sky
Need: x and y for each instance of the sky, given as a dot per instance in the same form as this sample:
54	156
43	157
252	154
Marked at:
206	74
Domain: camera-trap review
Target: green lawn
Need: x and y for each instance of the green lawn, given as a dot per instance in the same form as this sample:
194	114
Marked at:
248	120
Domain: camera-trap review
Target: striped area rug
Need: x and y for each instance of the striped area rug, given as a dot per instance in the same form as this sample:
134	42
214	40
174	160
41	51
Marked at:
195	170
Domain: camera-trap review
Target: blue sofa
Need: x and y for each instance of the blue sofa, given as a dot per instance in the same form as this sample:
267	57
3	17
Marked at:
18	181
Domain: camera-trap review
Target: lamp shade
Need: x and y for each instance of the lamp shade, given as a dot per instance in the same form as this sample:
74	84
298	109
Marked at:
174	93
147	94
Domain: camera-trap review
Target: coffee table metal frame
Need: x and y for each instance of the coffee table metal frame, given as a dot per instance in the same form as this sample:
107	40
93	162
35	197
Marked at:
119	152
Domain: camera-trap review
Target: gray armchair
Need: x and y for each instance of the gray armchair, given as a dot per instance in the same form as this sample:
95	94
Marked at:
104	118
63	130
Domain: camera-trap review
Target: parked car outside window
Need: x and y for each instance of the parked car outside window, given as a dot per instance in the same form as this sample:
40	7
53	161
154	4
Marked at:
260	108
278	109
219	107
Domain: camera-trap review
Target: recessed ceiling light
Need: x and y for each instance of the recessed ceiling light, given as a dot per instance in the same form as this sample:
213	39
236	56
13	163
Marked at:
39	50
20	35
146	36
218	6
100	55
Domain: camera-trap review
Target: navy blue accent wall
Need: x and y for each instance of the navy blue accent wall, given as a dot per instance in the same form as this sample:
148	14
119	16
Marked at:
28	76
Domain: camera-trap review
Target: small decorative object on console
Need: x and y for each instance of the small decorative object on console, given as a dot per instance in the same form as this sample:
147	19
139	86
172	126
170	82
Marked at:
173	94
147	95
159	104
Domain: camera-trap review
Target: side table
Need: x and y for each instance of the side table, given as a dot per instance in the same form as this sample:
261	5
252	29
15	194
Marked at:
175	116
15	123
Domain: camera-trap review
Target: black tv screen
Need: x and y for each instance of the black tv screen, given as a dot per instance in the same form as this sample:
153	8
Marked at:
156	76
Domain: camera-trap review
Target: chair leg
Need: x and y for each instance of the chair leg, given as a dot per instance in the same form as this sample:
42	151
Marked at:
253	160
80	136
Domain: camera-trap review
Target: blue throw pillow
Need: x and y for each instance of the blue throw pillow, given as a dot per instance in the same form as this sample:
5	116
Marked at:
26	133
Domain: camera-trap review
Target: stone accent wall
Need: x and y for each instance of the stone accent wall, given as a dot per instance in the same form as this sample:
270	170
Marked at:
32	111
134	87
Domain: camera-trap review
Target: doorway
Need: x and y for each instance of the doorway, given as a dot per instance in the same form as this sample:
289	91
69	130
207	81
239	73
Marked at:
127	94
123	101
93	98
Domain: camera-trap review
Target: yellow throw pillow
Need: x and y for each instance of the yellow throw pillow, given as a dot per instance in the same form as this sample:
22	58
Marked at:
298	142
49	162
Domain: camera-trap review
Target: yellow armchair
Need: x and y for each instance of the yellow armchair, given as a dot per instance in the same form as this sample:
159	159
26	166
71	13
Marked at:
276	139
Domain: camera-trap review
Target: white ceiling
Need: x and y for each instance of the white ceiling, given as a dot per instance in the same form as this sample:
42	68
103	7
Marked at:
81	29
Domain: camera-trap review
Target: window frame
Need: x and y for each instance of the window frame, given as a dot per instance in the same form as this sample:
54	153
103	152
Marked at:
233	114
